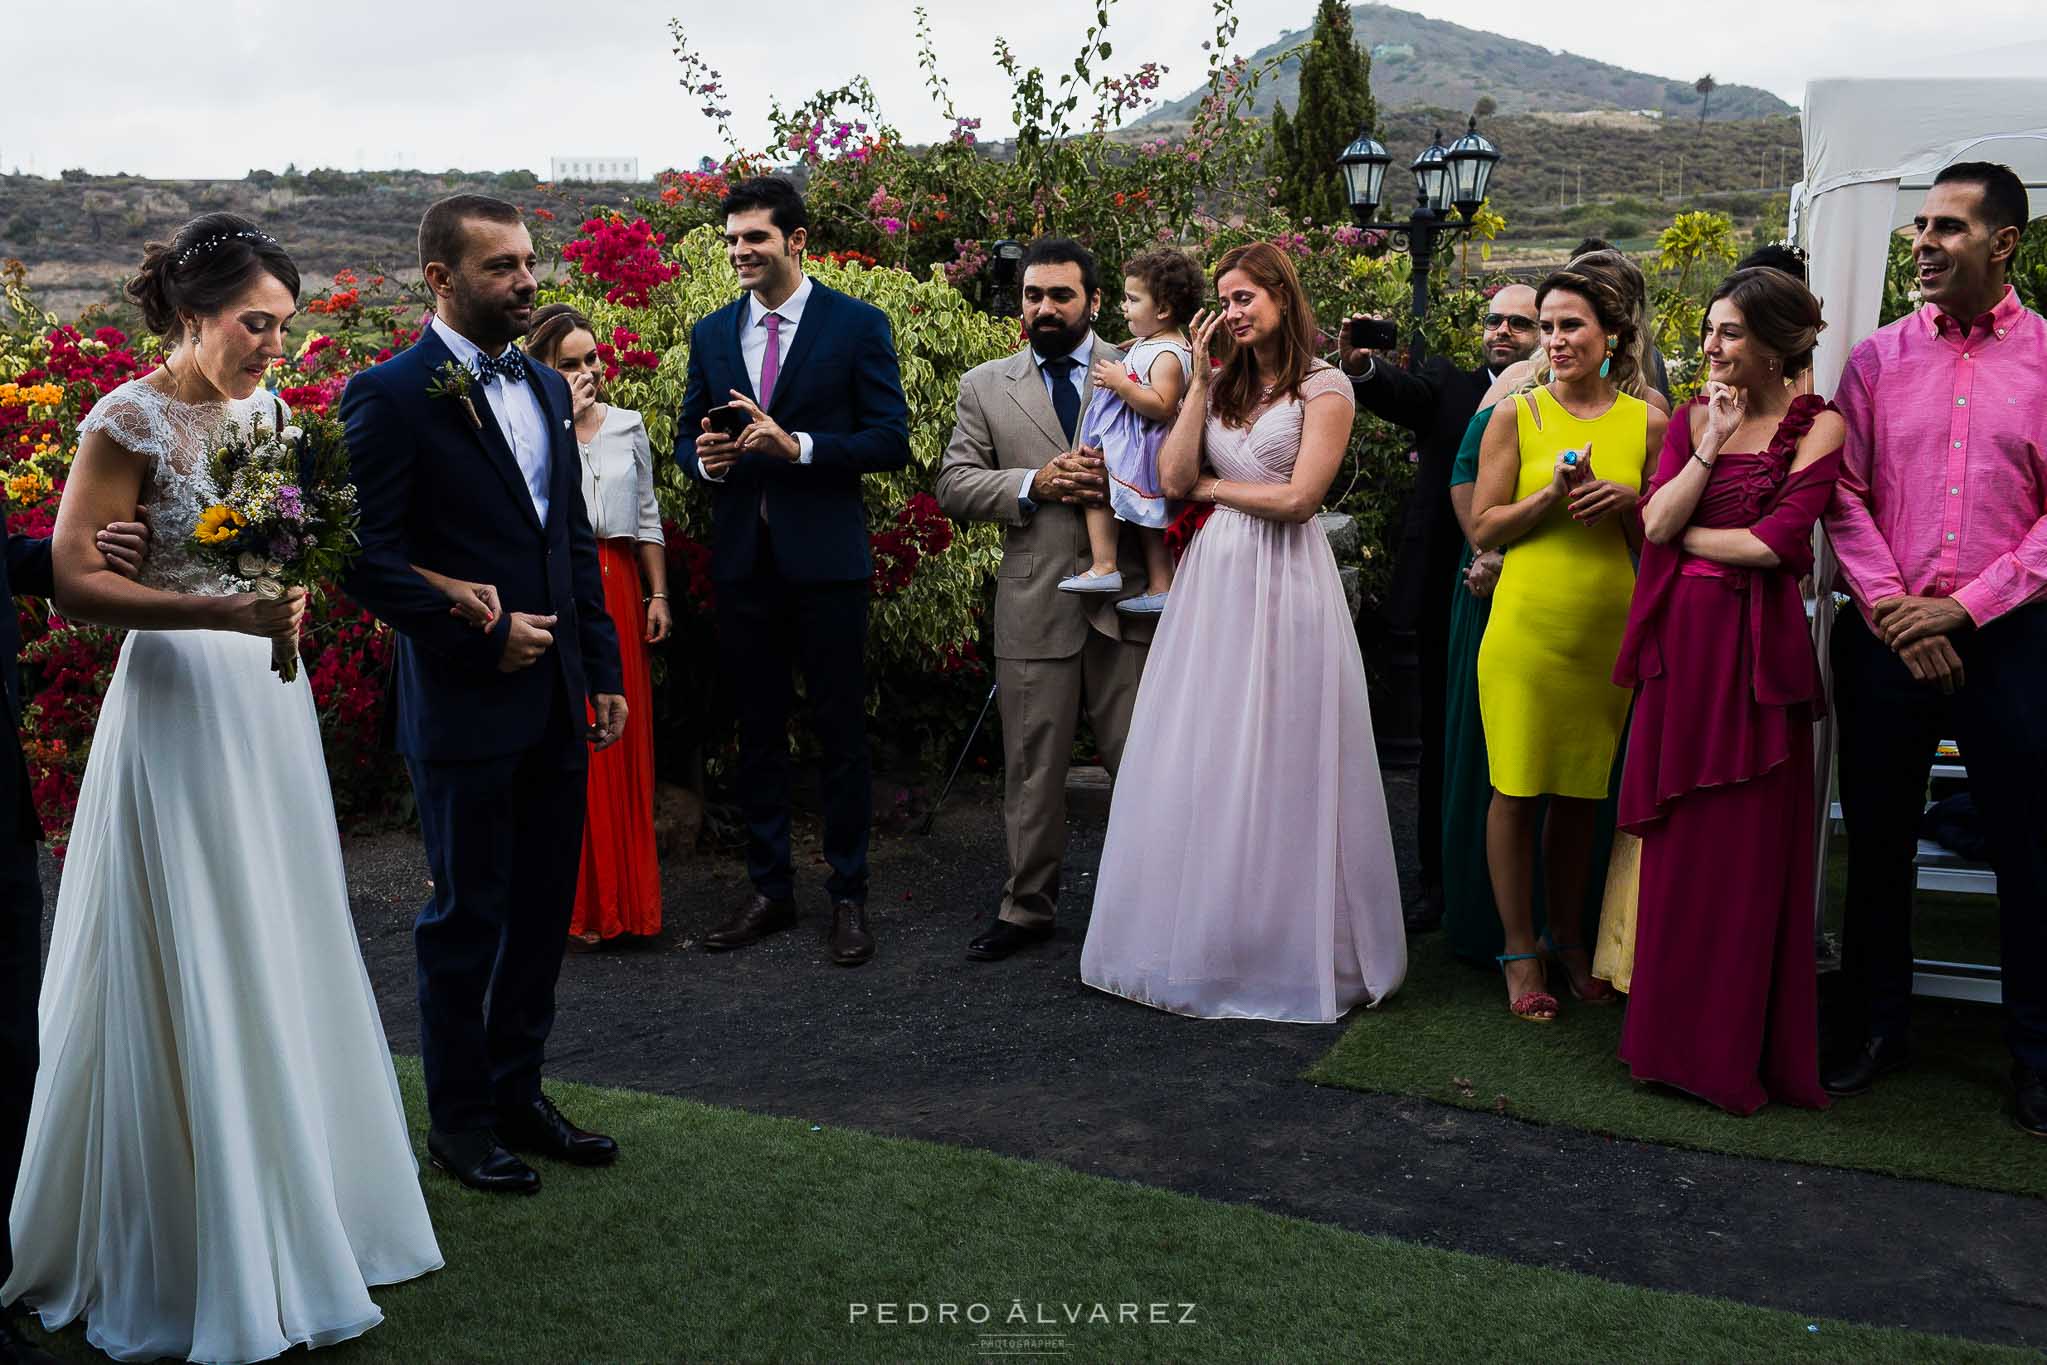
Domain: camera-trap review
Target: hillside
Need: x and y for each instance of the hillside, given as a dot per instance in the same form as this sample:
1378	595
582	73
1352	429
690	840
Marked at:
80	237
1422	61
1611	175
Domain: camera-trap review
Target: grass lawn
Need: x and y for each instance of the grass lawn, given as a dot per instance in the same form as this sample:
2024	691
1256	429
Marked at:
730	1236
1447	1036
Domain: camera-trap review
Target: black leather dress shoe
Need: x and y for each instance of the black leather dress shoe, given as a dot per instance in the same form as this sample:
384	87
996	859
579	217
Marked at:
852	944
1425	916
1004	938
1857	1075
754	921
540	1127
2029	1106
15	1349
480	1162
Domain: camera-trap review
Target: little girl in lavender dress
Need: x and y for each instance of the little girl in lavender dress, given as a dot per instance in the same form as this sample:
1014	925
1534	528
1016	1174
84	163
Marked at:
1134	404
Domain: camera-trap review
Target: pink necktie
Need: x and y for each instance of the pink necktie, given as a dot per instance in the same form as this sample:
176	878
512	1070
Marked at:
771	362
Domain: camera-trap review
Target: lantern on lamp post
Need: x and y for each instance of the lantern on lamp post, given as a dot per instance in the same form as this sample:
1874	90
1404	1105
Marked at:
1445	178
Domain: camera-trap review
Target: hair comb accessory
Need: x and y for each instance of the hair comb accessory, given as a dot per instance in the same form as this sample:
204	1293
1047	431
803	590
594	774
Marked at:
208	245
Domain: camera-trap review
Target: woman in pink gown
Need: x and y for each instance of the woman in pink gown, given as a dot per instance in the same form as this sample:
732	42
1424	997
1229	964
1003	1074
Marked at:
1249	866
1724	1001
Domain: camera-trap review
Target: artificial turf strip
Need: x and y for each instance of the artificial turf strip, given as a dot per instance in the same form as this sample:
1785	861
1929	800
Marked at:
729	1236
1447	1036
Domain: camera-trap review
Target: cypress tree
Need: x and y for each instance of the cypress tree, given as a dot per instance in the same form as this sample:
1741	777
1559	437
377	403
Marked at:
1335	101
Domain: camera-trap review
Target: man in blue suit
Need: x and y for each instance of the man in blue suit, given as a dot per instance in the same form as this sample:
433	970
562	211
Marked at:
793	394
465	464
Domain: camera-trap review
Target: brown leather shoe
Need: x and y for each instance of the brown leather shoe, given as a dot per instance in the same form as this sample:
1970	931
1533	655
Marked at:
755	920
852	944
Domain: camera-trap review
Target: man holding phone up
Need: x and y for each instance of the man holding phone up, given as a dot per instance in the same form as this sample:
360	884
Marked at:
1436	402
793	395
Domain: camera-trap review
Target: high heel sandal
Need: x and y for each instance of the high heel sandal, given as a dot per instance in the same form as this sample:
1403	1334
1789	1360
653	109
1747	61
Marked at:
1598	993
1536	1006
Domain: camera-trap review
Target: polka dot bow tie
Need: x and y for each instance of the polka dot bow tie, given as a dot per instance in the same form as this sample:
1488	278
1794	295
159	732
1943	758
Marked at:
510	367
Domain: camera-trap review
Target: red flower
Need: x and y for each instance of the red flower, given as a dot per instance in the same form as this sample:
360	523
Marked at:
625	255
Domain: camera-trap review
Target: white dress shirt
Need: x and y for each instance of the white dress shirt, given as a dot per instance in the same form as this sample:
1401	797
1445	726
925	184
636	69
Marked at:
618	480
516	407
753	350
1081	376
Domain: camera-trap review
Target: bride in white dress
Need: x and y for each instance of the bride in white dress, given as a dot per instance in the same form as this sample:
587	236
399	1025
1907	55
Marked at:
217	1165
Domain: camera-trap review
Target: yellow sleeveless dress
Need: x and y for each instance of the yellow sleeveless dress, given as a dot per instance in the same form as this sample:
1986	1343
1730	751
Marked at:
1552	713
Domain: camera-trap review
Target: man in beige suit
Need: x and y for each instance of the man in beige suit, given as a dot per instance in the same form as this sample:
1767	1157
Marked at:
1013	459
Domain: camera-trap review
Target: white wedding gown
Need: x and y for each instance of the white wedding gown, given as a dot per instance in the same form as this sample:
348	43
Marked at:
217	1164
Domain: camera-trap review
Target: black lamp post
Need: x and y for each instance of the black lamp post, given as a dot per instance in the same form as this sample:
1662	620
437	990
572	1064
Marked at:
1450	177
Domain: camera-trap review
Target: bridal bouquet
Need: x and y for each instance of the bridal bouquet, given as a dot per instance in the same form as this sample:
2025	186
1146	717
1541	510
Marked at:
283	515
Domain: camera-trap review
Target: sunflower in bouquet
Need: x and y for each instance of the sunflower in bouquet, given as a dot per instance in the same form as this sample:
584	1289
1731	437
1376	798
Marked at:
284	512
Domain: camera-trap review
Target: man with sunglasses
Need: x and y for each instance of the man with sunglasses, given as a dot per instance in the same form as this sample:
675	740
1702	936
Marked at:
1435	401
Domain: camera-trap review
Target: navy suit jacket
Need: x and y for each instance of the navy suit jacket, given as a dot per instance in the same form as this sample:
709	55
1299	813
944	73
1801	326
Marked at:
24	569
441	492
840	385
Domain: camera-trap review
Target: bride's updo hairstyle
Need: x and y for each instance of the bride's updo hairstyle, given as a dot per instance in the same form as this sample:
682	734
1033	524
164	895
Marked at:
202	269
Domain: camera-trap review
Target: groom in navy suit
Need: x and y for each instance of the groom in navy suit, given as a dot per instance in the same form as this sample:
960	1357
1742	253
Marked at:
793	395
465	462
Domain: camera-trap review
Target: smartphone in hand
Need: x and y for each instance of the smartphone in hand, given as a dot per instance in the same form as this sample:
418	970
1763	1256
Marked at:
729	419
1374	334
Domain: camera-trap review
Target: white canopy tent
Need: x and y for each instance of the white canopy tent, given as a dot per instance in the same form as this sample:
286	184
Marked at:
1872	147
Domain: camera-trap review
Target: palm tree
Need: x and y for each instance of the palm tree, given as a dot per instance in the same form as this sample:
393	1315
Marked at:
1705	85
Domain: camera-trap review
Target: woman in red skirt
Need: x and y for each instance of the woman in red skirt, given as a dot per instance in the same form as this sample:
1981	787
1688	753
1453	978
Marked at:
1724	1002
619	891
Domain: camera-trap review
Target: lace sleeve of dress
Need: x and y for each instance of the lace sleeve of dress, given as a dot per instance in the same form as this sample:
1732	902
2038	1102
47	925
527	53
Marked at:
134	417
1327	379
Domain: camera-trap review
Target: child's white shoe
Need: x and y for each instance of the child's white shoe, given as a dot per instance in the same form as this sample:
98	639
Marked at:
1150	604
1110	582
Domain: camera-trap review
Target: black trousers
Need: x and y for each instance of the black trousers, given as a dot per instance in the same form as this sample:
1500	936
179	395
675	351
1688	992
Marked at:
767	628
21	930
1889	726
1432	682
504	841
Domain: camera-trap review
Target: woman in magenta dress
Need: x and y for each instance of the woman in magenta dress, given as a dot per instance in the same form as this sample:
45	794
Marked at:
1718	782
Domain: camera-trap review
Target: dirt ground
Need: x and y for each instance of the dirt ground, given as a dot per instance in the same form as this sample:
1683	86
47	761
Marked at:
1020	1058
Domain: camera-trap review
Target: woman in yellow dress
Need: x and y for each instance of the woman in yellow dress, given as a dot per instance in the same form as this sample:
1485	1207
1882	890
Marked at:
1560	474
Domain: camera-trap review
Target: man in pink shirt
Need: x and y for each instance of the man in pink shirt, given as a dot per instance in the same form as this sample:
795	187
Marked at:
1940	524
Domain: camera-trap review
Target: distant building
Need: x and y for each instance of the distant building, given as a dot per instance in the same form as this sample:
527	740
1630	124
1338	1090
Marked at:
565	168
1392	52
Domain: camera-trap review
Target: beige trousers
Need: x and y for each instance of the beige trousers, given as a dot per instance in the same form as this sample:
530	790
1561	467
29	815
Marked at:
1040	701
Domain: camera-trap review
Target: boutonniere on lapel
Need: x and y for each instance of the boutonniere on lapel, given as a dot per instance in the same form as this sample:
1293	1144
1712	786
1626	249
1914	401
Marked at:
454	380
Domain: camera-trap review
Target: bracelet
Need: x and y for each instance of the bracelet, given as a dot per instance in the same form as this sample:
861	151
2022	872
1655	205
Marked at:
652	596
1704	463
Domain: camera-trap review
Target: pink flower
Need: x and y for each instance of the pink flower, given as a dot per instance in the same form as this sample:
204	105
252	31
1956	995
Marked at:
891	226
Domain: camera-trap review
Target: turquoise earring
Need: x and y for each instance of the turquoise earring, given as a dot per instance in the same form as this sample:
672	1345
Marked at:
1606	365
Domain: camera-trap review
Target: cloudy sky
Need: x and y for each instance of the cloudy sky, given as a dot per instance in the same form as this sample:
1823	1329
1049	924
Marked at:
154	89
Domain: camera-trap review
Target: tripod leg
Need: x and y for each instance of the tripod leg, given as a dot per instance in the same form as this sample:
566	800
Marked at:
959	762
